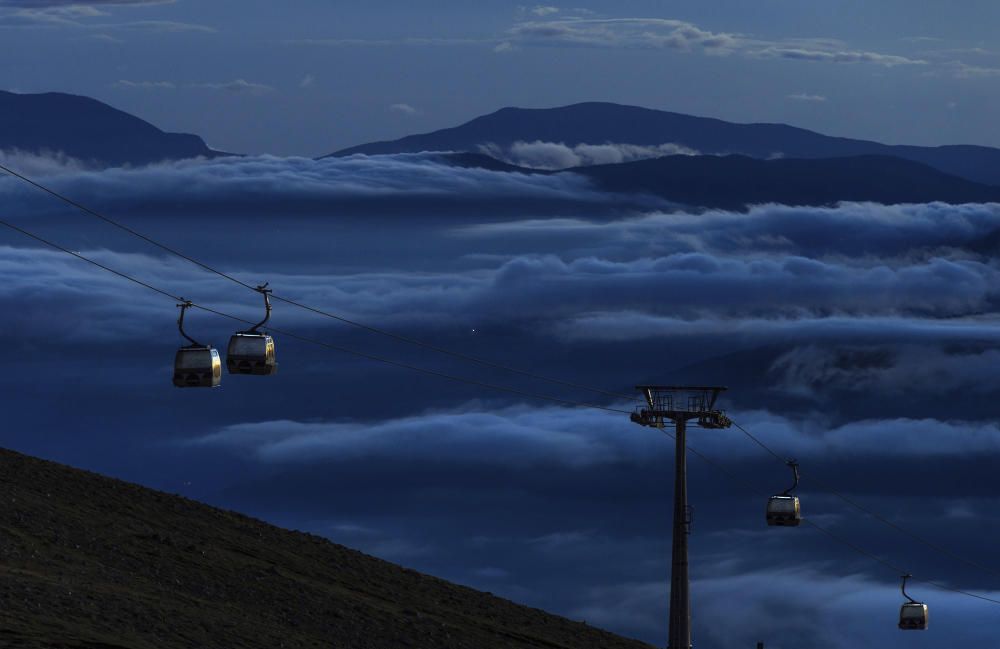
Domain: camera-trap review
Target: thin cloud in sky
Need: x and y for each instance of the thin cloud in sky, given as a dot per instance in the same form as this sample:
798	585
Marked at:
403	109
542	10
161	26
663	33
387	42
807	97
236	86
74	15
643	33
70	13
558	155
125	83
43	4
962	70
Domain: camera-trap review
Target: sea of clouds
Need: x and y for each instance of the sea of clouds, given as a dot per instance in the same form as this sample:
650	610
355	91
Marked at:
860	338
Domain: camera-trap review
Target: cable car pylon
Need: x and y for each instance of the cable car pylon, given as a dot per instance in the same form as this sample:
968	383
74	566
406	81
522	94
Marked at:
676	406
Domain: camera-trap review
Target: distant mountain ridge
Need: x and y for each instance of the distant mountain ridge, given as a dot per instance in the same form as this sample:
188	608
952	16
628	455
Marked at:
600	122
735	182
813	169
89	130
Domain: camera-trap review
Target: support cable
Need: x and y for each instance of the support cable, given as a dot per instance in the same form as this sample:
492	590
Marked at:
370	328
373	357
878	517
849	544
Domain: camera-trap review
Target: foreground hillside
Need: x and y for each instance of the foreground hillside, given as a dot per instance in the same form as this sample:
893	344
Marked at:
89	562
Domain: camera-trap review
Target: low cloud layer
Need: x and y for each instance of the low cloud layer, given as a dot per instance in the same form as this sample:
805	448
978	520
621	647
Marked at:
905	273
791	604
859	338
525	436
557	155
240	179
593	299
811	370
636	326
43	163
881	233
518	436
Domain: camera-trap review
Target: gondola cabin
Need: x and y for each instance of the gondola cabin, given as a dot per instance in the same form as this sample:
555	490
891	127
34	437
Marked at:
251	353
913	616
784	510
197	366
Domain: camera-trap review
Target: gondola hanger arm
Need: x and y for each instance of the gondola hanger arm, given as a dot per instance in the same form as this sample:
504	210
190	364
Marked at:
184	306
794	466
903	588
265	291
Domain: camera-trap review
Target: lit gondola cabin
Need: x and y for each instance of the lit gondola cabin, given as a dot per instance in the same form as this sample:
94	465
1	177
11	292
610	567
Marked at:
197	366
913	616
783	510
251	353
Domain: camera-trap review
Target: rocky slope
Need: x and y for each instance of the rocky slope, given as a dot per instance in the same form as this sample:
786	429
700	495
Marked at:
93	563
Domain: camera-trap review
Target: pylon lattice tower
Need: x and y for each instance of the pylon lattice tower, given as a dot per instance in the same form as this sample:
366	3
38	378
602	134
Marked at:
675	406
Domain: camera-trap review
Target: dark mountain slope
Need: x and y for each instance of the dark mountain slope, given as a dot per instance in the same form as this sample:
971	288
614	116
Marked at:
733	182
89	130
91	562
598	123
468	160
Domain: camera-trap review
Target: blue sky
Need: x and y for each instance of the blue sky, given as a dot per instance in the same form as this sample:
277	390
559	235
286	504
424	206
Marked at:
311	77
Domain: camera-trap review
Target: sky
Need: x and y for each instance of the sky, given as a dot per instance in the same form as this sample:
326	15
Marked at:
311	77
859	338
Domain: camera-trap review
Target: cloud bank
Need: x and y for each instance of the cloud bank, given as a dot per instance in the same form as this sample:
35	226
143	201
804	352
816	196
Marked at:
557	155
908	273
250	180
859	338
526	436
42	163
788	603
